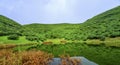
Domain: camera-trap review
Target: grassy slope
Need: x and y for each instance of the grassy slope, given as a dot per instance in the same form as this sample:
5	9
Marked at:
106	24
43	28
7	24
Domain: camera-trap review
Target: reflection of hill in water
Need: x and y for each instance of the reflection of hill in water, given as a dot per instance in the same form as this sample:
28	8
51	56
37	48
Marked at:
84	61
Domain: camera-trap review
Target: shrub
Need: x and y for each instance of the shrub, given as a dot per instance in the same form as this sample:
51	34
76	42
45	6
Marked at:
35	38
13	37
115	34
42	38
32	38
36	58
102	38
8	57
2	33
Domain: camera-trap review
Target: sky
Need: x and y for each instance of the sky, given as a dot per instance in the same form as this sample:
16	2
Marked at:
54	11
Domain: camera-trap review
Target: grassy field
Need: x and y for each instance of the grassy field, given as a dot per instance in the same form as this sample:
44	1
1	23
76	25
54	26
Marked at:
22	40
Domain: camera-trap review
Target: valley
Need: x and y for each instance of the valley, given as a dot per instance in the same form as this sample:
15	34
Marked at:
97	39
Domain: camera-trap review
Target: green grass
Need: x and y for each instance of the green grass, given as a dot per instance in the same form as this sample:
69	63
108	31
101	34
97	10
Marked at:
22	40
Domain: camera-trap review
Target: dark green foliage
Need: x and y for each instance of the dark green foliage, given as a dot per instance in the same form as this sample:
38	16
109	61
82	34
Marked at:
115	34
102	38
52	31
32	38
42	38
2	33
13	37
8	26
35	38
106	24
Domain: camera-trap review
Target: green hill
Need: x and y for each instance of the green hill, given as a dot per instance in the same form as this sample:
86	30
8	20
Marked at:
52	31
106	24
8	26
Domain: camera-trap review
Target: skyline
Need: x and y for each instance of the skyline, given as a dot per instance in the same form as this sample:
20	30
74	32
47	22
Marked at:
54	11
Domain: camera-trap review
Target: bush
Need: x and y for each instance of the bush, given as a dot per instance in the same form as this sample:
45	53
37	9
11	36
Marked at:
32	38
35	38
2	33
13	37
36	58
8	57
115	34
102	38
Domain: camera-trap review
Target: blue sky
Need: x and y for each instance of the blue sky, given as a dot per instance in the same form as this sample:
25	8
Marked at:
54	11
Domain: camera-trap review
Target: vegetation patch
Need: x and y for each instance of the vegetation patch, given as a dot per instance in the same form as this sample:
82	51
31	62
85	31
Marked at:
56	41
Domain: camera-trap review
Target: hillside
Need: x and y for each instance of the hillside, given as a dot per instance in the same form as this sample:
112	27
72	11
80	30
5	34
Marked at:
106	24
52	30
50	27
8	26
